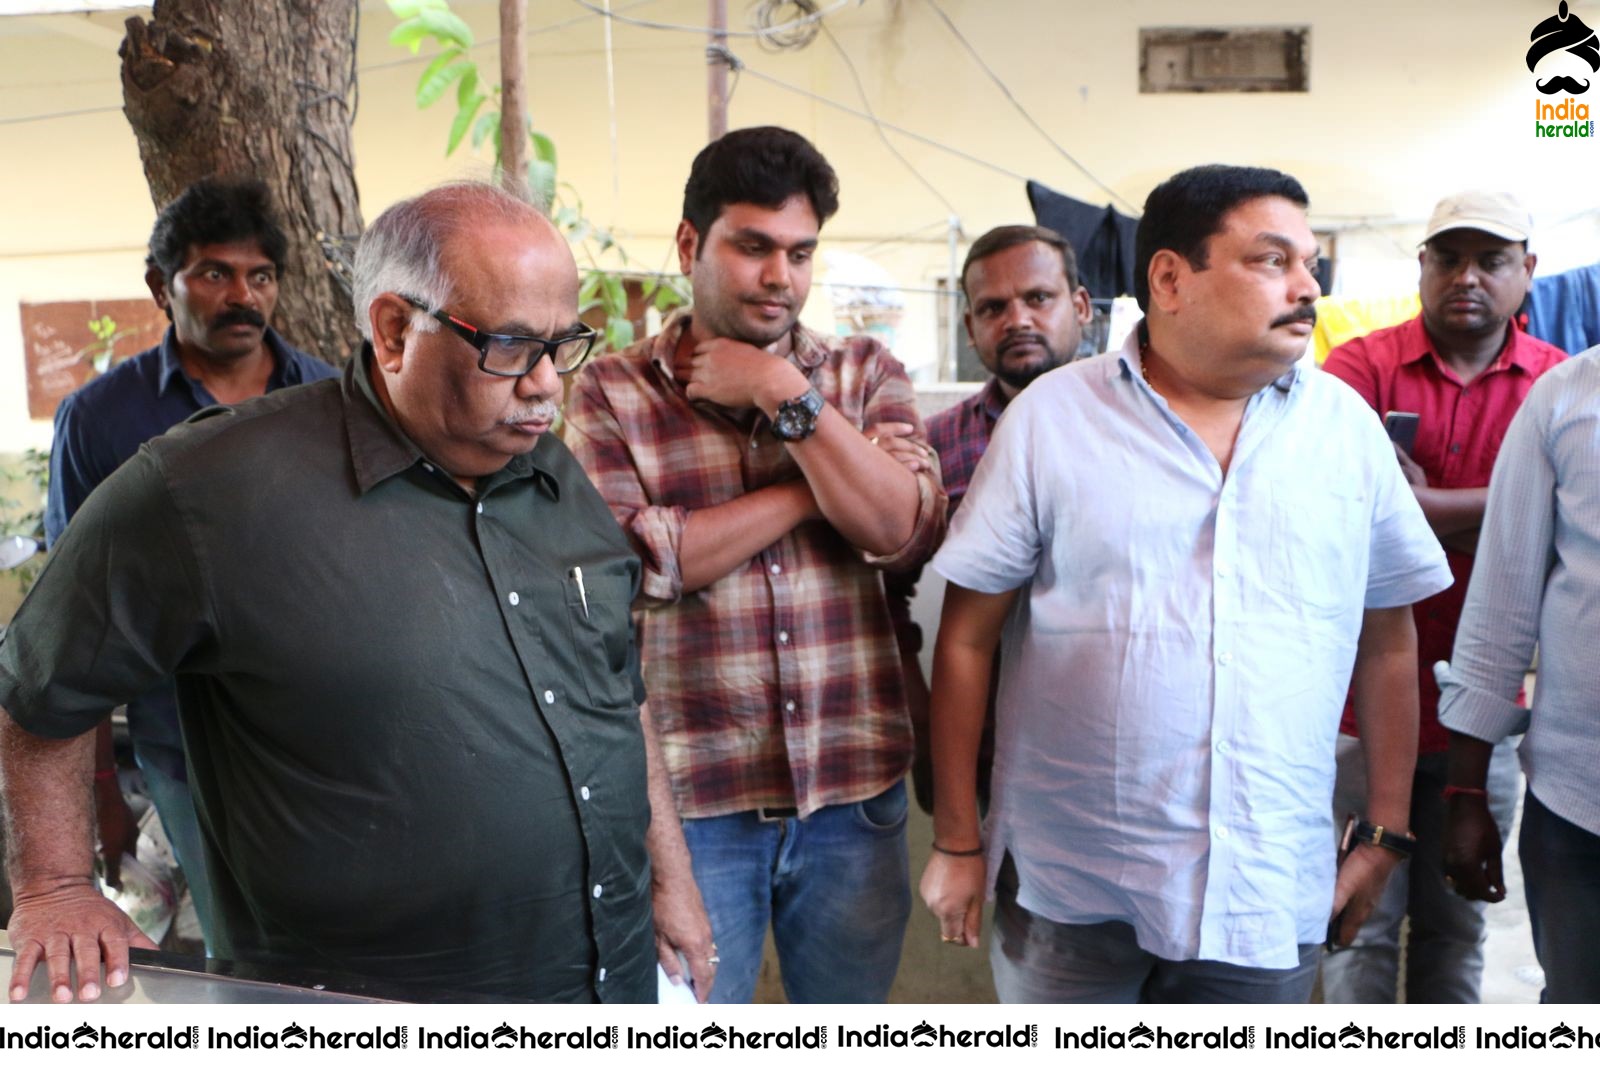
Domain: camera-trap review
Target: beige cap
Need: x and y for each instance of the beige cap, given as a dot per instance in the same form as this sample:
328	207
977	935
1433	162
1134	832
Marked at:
1496	213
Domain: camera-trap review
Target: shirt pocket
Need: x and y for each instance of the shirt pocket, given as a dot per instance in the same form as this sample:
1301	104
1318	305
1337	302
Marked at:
598	613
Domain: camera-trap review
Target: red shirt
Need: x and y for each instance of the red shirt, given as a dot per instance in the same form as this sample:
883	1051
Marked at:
1458	438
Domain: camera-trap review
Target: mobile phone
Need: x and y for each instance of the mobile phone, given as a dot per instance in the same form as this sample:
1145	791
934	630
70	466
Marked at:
1402	428
1346	841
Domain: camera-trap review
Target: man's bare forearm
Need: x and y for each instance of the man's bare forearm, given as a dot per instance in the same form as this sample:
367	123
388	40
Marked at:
48	814
1384	687
963	658
865	493
720	539
1451	511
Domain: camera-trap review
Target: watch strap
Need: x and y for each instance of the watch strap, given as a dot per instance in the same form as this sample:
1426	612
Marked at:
1402	844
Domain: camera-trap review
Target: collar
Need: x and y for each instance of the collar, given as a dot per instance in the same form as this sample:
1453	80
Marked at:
807	349
284	369
991	400
379	449
1419	343
1131	361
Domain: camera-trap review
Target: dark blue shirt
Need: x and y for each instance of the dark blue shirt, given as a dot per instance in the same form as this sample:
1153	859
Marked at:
100	427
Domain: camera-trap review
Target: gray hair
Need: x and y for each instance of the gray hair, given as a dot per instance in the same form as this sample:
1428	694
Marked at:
403	250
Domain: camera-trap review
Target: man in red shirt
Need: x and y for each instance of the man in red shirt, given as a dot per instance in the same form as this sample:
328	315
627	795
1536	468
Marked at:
1463	366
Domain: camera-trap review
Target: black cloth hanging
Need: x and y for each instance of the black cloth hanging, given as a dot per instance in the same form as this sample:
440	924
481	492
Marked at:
1101	237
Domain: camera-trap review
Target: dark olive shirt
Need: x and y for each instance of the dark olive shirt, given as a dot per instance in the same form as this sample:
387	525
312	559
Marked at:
413	736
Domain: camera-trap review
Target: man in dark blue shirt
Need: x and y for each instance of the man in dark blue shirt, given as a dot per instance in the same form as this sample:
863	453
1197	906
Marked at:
216	254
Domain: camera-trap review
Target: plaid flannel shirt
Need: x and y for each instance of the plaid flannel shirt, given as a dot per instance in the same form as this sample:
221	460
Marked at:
778	685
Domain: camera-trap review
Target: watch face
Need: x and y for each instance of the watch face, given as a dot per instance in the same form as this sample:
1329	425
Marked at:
797	419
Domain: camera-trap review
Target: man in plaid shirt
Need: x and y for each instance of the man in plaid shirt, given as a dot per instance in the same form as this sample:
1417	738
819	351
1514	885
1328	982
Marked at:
730	449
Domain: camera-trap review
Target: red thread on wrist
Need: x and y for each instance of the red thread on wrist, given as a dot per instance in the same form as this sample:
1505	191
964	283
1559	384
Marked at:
1464	790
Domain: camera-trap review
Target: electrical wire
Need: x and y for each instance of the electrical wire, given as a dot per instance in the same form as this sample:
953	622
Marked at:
775	39
15	119
707	31
1068	156
861	91
737	64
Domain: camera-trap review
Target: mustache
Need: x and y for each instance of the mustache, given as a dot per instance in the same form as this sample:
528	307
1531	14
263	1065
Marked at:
239	317
538	411
1563	84
1304	313
1022	339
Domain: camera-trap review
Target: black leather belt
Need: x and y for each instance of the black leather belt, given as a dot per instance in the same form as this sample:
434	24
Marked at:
777	814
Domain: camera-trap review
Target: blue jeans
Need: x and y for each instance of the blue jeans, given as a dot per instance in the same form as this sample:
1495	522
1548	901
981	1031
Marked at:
175	805
1444	951
835	887
1038	961
1561	872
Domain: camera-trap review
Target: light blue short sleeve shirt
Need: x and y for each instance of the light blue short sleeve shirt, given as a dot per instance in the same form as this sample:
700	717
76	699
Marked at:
1174	672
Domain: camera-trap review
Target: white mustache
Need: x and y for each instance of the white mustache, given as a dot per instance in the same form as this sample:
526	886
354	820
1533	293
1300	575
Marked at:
541	411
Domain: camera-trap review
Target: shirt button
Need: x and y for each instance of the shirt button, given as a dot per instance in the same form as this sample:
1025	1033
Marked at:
515	599
480	508
597	891
1223	747
783	637
775	569
1222	570
1225	658
549	697
1455	450
602	975
428	467
788	705
584	792
1221	832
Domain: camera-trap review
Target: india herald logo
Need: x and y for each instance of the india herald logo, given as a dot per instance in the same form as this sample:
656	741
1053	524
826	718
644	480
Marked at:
1564	32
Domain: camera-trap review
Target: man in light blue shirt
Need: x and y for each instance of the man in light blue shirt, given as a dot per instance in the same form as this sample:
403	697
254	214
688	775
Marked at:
1536	582
1189	546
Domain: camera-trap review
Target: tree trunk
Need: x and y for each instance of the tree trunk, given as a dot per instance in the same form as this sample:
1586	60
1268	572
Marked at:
265	90
513	99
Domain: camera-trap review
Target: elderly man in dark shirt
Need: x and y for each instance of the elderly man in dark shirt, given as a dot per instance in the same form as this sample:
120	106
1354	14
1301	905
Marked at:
417	751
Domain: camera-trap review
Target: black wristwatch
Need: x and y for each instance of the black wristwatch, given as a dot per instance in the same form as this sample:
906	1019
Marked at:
1368	834
796	419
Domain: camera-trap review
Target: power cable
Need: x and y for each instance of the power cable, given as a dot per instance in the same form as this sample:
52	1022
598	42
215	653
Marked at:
1068	156
737	64
707	31
861	91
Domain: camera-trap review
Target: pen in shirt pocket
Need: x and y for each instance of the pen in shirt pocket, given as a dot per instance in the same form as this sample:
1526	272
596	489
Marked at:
583	594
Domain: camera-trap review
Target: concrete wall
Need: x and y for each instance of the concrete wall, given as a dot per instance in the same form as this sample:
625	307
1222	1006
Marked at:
1408	100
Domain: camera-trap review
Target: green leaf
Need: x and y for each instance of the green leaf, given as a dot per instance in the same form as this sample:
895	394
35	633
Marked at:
649	287
410	9
616	295
619	333
544	148
409	34
468	87
542	180
458	128
565	217
667	298
446	25
487	121
439	76
590	286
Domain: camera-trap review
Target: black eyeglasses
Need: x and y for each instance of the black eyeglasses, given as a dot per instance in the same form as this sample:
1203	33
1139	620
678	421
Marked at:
510	355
